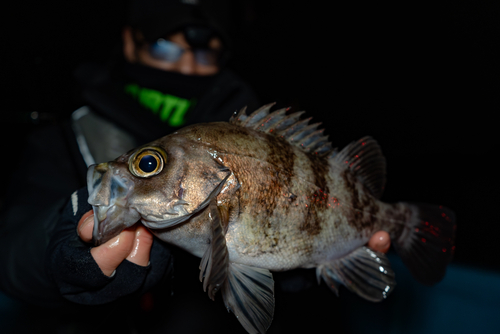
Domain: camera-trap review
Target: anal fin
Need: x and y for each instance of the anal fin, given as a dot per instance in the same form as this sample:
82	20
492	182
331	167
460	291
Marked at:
249	293
365	272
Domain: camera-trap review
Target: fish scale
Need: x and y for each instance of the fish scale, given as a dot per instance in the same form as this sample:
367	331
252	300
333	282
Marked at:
267	192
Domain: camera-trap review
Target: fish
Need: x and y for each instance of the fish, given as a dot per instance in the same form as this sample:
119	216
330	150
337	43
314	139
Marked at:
267	192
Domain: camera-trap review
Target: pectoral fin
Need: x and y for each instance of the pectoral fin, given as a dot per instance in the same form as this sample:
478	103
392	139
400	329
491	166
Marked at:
364	272
214	264
249	293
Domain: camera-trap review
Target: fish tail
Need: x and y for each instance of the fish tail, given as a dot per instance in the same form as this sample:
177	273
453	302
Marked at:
426	241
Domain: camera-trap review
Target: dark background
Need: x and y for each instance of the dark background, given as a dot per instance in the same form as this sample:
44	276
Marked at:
421	78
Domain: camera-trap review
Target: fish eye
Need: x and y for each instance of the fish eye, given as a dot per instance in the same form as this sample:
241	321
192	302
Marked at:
147	162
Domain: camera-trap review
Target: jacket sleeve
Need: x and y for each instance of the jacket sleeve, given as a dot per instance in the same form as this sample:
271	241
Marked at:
42	258
79	278
44	176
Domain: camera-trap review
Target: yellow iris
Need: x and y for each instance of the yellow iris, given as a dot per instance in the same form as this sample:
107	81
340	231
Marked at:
147	162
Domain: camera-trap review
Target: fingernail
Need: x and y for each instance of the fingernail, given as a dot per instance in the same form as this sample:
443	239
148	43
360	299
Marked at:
88	220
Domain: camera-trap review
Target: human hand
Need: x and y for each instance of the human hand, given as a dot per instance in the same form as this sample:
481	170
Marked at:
133	244
131	263
292	281
380	242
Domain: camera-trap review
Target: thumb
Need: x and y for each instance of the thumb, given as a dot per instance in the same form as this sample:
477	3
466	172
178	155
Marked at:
380	242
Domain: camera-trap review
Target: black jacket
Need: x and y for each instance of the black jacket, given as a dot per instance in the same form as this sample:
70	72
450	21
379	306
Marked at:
38	240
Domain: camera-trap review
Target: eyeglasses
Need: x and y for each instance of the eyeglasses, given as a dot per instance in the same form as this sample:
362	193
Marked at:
171	52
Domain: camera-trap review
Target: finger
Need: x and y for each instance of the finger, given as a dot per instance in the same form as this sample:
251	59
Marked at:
380	241
86	226
142	247
110	254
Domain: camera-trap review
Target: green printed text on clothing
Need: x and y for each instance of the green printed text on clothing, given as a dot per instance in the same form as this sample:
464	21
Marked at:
169	108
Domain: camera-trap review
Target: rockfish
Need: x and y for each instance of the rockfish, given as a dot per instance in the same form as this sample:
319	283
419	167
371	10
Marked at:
267	192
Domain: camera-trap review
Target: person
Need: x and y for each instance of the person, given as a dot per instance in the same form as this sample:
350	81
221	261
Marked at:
171	73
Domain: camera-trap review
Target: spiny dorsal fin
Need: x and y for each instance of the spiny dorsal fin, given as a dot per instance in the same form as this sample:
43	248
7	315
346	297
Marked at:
289	127
239	117
364	158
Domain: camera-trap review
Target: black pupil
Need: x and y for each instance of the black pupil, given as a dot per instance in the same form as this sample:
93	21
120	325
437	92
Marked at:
148	164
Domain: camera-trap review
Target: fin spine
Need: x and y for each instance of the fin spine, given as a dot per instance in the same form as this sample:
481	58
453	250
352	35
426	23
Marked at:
288	127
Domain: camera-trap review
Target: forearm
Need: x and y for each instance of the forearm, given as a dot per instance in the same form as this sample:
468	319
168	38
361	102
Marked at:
42	259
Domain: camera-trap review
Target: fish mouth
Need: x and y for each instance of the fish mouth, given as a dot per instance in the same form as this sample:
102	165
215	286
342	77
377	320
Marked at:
111	221
108	195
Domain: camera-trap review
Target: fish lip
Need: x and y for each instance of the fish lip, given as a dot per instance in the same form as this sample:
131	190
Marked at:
95	232
98	232
109	227
109	191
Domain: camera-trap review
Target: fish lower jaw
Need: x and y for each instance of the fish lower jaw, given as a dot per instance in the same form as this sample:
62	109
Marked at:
101	212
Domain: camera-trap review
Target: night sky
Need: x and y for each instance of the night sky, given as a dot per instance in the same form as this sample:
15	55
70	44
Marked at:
421	78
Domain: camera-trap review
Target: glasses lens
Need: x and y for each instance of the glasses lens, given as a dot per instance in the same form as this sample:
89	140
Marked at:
206	56
165	50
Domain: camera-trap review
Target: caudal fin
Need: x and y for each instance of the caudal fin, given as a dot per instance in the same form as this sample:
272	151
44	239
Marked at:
426	243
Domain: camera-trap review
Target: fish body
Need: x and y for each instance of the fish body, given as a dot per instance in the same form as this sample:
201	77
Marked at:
294	210
267	192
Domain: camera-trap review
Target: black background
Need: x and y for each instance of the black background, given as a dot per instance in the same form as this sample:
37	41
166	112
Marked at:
421	78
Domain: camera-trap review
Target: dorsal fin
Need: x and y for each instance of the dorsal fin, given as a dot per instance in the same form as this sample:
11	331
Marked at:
364	158
239	117
289	127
